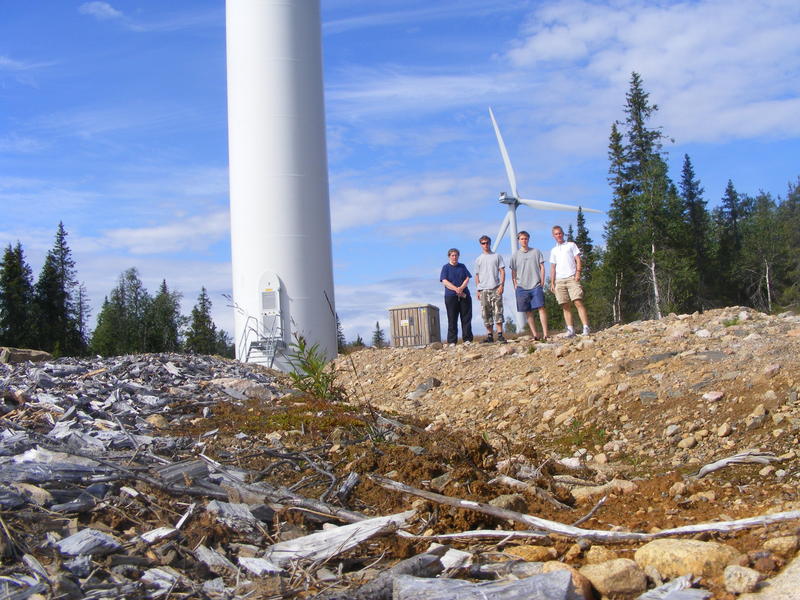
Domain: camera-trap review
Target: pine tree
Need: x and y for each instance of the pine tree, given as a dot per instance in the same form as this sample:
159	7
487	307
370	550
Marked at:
570	233
378	337
584	242
122	326
164	321
762	251
16	298
697	217
358	342
55	322
789	232
341	343
82	313
201	338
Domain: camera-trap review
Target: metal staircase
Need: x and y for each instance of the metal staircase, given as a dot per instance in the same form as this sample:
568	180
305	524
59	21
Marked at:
261	346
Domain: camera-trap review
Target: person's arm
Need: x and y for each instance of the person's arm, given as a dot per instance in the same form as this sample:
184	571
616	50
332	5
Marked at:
446	283
578	267
478	283
462	287
541	272
502	280
553	277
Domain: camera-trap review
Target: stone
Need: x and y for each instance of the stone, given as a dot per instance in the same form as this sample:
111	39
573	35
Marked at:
740	580
673	558
618	577
724	430
688	442
532	553
785	545
582	585
18	355
515	502
599	554
713	396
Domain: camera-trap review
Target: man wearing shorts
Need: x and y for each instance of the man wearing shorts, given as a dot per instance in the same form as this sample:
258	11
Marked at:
490	276
527	273
565	280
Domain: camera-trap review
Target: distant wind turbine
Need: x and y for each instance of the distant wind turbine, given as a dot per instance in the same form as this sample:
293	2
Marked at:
513	200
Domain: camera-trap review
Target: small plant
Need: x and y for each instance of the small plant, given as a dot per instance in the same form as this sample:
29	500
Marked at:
311	371
731	322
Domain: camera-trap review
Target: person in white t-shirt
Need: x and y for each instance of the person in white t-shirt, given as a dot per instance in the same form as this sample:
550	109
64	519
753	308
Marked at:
565	280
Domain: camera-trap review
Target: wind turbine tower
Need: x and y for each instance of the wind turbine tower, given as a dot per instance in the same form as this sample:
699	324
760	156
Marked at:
280	214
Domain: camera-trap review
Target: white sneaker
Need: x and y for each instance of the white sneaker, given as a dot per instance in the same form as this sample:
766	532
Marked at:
570	333
586	330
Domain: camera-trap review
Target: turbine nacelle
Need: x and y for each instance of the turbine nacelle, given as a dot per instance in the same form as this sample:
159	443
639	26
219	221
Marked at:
506	199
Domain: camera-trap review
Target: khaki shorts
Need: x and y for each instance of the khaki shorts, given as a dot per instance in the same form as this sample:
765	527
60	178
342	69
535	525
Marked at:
568	290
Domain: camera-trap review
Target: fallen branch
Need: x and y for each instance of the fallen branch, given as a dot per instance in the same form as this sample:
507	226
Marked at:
325	544
594	535
590	514
746	457
477	534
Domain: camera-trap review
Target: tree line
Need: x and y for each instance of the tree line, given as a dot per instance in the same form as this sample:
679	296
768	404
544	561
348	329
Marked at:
53	313
665	251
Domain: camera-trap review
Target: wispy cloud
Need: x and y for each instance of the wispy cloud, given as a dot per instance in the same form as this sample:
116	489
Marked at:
100	10
357	206
103	11
15	143
192	233
710	64
417	15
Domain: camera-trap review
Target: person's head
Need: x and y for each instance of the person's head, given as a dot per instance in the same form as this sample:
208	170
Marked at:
486	243
523	237
558	234
453	255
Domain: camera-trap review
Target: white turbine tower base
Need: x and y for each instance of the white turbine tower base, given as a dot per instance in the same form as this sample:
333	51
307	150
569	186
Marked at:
280	214
509	222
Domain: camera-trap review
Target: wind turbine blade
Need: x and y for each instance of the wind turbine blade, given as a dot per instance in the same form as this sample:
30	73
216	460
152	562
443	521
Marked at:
512	179
555	206
502	232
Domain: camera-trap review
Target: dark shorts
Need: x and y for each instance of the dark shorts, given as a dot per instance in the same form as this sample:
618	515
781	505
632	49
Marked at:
528	300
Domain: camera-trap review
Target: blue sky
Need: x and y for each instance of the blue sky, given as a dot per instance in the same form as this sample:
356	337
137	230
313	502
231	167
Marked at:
113	119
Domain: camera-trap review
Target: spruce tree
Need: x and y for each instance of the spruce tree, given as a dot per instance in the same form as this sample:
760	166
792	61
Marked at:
164	321
201	337
762	252
55	321
122	324
16	298
570	233
584	242
697	217
341	343
378	337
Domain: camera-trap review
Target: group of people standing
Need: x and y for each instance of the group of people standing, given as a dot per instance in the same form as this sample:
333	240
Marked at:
528	278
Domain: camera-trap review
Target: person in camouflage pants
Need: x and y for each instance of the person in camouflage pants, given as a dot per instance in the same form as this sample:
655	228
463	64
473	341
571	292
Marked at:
490	276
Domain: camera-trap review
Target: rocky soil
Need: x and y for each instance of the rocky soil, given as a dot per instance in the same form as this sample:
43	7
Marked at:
647	403
175	476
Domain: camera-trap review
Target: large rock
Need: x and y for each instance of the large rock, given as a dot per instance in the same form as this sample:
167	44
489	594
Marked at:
582	585
673	558
18	355
620	577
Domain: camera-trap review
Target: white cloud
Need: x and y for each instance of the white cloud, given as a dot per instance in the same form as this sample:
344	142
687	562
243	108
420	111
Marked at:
720	70
100	10
191	233
356	206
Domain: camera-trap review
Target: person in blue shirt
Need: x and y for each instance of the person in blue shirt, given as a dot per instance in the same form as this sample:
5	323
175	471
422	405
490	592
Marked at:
455	277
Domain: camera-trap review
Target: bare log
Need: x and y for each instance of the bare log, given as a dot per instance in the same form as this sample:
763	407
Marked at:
594	535
746	457
325	544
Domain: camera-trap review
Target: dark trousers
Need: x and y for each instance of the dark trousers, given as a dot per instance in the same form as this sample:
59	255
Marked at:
458	307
